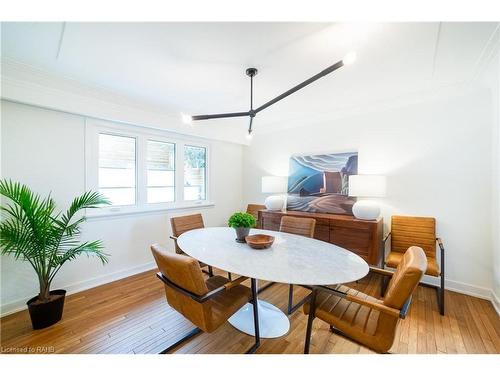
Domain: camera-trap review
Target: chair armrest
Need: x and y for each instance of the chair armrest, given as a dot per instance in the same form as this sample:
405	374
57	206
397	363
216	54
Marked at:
405	308
204	297
440	243
381	271
233	283
374	305
387	236
352	297
384	244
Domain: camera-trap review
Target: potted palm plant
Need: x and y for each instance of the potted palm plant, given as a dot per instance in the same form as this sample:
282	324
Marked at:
31	230
241	222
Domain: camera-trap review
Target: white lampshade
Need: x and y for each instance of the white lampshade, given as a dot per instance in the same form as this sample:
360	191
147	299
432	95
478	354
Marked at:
274	184
367	186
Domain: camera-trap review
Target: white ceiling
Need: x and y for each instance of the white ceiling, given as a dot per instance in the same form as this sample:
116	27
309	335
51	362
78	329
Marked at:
199	68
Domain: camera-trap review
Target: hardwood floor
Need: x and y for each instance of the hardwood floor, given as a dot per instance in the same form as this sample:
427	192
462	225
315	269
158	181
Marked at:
132	316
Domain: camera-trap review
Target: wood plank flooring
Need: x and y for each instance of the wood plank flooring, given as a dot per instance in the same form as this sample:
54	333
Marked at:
132	316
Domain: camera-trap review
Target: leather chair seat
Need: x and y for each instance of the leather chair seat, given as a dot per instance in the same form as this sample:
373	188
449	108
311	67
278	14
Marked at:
394	258
226	304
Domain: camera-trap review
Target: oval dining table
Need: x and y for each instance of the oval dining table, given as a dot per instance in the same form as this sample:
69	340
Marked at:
292	259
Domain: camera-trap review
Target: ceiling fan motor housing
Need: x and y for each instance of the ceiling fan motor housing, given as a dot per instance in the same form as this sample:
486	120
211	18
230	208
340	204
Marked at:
251	72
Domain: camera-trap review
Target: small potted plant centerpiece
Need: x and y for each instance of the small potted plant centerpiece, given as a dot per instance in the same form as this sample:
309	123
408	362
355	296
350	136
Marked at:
241	222
32	230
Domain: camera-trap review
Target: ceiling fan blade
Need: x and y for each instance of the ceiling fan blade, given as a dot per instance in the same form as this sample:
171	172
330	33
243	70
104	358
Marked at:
321	74
220	115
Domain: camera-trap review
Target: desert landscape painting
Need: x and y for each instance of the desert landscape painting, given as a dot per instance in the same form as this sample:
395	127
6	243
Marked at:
319	183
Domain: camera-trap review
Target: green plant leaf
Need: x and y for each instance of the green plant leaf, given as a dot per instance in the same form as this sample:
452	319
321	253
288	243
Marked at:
241	220
30	230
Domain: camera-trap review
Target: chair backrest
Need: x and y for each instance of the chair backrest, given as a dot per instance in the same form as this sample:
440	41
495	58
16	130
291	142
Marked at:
181	224
298	225
186	273
409	231
253	209
406	277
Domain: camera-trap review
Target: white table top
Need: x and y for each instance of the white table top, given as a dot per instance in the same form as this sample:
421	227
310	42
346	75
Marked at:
292	259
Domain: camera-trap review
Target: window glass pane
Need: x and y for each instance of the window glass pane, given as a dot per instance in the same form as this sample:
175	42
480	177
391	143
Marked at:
116	177
194	173
119	197
161	194
160	171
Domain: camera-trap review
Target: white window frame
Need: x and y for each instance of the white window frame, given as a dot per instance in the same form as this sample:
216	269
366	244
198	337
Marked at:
95	127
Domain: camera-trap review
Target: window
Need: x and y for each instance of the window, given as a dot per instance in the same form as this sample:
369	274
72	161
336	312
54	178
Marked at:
195	159
137	169
160	172
117	178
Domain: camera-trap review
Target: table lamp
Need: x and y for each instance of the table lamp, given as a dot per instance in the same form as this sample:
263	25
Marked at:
274	184
366	186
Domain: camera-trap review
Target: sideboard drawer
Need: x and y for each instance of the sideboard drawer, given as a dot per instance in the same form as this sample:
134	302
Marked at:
351	225
357	241
322	232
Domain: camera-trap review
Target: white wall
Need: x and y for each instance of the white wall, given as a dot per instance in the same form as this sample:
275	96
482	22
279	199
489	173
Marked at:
437	156
45	149
495	87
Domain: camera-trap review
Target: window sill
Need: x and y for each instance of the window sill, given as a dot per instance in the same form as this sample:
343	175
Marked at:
98	214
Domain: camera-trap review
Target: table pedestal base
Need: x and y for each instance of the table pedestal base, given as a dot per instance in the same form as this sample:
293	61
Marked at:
272	321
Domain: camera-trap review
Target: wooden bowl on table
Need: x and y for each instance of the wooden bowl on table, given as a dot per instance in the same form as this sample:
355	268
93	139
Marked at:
259	241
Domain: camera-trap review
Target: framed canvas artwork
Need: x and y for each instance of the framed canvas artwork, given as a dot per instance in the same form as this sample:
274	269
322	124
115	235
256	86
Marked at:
319	182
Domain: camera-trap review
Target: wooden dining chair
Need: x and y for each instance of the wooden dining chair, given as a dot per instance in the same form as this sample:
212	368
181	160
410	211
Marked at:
362	318
206	303
182	224
409	231
253	209
303	227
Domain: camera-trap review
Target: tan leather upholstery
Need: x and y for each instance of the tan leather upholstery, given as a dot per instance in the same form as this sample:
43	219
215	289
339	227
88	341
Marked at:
298	225
406	278
181	224
394	258
253	209
409	231
366	325
186	273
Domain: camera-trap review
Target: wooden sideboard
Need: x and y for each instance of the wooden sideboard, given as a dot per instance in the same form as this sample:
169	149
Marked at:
363	237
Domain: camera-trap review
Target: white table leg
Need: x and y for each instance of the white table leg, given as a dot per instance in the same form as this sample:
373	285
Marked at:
272	321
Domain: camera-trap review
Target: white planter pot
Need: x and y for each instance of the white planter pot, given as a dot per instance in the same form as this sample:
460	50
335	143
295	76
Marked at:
275	202
366	210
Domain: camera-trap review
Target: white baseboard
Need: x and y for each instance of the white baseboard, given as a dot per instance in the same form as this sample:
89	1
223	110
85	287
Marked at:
495	301
15	306
468	289
460	287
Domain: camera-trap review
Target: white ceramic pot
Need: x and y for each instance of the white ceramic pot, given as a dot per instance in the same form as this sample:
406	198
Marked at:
275	202
366	210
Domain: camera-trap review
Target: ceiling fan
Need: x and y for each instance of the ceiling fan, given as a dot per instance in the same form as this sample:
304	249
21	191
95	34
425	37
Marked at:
252	72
